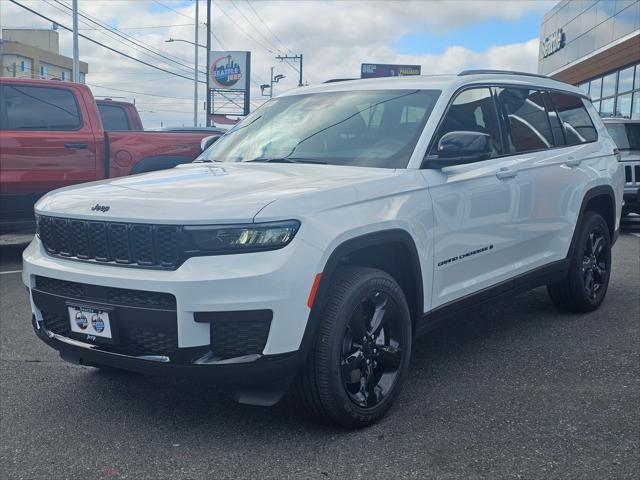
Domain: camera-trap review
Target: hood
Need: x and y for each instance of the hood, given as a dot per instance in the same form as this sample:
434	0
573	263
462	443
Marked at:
629	155
203	192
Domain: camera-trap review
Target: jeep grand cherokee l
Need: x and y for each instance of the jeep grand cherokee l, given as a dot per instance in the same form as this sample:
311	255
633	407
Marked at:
320	236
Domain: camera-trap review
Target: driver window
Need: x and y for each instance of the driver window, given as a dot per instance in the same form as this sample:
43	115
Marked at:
472	110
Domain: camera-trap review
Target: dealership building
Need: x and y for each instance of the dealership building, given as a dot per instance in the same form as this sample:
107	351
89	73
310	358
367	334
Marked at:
595	44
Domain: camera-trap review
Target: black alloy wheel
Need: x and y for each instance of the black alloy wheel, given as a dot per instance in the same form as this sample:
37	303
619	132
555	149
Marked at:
355	370
595	266
585	285
371	350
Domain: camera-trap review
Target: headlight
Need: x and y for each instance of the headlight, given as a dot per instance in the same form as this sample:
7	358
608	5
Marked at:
242	238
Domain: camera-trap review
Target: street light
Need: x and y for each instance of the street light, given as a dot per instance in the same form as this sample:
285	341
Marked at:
195	71
185	41
275	79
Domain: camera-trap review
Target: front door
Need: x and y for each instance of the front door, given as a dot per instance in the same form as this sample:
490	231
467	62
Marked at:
475	206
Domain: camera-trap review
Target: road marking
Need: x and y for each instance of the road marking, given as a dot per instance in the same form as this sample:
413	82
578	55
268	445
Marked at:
10	271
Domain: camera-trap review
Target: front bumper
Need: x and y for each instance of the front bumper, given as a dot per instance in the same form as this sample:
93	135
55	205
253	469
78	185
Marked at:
278	280
256	370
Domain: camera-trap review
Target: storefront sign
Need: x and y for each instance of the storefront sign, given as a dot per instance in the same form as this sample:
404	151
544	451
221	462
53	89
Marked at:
375	70
553	43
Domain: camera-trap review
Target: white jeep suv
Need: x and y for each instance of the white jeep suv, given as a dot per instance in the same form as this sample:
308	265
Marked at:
320	236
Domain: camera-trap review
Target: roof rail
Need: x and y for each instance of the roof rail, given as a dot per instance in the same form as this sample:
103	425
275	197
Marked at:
500	72
333	80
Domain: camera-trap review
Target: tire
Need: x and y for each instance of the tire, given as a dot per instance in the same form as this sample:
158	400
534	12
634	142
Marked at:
586	283
349	380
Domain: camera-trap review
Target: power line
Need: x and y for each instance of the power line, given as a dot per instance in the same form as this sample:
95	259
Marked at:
253	26
137	93
268	28
103	45
127	37
201	25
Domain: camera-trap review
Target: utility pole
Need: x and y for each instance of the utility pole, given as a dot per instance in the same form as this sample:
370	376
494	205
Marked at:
294	58
208	61
76	54
195	71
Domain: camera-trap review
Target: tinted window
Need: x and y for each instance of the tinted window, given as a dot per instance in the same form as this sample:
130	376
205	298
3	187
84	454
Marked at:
38	108
472	111
113	117
528	126
577	124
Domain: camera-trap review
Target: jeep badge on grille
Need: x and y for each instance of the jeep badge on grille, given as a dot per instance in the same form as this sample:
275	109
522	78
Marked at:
100	208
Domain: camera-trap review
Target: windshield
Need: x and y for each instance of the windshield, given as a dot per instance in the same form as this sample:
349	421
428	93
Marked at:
377	128
626	135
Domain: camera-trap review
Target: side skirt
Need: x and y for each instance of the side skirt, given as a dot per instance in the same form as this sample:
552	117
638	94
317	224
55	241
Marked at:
544	275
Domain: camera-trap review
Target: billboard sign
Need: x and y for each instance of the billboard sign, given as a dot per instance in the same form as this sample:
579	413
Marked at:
229	81
376	70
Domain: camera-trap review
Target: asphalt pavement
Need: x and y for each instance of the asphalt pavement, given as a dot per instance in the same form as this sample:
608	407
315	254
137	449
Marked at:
512	390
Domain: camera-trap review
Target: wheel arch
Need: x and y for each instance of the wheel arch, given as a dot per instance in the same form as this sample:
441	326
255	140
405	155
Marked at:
600	199
369	250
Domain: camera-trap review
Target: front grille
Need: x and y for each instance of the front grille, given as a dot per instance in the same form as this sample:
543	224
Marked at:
155	246
110	295
230	339
632	174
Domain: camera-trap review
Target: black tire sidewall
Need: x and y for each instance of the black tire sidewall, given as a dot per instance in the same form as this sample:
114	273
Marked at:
592	221
368	282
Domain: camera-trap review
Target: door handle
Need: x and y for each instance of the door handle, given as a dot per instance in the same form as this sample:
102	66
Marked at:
77	146
505	173
573	162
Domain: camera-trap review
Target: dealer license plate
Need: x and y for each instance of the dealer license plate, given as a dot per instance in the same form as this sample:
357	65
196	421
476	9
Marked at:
89	321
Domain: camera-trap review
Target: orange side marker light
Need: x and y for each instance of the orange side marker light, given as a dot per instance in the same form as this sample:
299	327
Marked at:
314	289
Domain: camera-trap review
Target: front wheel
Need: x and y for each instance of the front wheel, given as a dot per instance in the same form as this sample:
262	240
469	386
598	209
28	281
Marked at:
586	283
361	354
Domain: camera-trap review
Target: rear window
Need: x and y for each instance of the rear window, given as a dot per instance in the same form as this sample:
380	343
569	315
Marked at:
528	127
626	135
113	117
38	108
575	119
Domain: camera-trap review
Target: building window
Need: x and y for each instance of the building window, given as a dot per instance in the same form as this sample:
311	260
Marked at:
609	85
64	75
617	93
43	71
23	66
625	80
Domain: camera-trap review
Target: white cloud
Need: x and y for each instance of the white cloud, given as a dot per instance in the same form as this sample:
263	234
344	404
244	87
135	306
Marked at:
334	36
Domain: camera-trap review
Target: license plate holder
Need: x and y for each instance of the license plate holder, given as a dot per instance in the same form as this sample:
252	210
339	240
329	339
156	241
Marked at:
92	323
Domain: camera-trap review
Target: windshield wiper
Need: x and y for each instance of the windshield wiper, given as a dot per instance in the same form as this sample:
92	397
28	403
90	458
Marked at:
285	160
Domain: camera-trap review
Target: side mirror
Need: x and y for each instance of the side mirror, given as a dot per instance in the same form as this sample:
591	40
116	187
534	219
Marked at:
206	142
455	148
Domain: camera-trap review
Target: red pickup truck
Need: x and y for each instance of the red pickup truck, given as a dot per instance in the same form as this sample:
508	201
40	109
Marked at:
117	115
52	135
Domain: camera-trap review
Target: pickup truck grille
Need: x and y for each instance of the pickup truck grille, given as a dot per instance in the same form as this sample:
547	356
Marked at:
632	175
152	246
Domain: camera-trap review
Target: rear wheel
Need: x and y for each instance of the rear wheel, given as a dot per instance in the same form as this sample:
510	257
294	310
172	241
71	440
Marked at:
361	354
586	283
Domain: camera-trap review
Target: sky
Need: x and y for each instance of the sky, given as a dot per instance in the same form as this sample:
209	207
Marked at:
335	37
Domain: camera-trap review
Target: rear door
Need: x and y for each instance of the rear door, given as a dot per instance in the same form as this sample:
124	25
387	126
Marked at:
475	206
551	149
46	141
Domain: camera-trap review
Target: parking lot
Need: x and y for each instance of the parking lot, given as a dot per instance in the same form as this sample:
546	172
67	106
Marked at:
514	390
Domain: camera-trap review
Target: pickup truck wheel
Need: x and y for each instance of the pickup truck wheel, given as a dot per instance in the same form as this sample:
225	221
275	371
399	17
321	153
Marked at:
585	285
361	354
